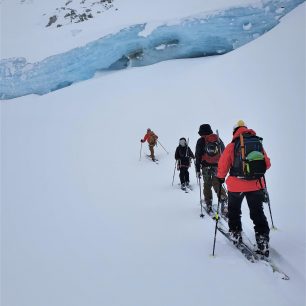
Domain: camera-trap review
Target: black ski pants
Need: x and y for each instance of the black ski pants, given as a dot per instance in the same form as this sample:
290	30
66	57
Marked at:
184	174
255	203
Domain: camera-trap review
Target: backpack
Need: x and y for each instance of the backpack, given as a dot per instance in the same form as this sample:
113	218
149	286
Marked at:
152	139
184	155
212	151
249	160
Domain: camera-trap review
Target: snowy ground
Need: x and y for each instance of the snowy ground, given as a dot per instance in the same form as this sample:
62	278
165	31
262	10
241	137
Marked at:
84	222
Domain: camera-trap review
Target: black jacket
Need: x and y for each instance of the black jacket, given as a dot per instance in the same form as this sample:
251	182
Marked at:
183	156
200	151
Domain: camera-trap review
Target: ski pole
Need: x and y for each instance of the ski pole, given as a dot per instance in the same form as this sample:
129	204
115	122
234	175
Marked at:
269	205
221	148
140	151
217	132
216	217
195	170
201	215
187	147
174	172
163	147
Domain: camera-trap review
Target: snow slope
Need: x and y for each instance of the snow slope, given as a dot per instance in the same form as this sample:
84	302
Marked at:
84	222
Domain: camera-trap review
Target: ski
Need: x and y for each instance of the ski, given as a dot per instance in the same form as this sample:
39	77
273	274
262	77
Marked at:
246	247
241	246
154	161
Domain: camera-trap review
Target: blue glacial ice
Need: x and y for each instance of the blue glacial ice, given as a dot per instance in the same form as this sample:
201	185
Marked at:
215	33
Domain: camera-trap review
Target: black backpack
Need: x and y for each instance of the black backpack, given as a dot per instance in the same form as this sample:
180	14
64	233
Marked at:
249	161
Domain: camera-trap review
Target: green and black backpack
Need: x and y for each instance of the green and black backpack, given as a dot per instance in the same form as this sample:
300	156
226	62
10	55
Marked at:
249	161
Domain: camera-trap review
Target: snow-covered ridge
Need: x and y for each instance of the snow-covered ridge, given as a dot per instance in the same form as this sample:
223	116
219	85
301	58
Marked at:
210	34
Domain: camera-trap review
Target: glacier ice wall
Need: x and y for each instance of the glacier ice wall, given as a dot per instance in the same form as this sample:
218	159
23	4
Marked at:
196	36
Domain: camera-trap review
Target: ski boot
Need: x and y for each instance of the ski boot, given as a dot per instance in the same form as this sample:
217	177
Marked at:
236	237
262	244
209	206
183	186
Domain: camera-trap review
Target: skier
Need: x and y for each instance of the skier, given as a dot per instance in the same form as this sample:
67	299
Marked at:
208	151
243	182
151	138
183	155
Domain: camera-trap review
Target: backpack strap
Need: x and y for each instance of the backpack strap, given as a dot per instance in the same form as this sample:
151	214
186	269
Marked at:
242	152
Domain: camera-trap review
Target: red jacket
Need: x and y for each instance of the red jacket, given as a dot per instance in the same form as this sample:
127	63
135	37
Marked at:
235	184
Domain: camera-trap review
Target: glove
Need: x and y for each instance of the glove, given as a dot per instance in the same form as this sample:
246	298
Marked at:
221	180
141	140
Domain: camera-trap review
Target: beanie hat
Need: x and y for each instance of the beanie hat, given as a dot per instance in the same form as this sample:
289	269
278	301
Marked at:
239	124
205	129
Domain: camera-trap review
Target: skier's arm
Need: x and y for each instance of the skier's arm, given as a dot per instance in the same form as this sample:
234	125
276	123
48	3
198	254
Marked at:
145	137
225	161
176	156
198	155
267	159
190	153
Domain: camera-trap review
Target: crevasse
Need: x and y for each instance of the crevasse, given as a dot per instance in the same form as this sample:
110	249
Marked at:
196	36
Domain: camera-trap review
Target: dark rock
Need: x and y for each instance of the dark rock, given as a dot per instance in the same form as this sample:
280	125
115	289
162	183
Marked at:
51	20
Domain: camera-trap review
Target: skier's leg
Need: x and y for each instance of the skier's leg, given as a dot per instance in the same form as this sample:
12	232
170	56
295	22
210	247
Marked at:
261	226
151	148
255	203
216	186
183	175
234	211
207	181
187	176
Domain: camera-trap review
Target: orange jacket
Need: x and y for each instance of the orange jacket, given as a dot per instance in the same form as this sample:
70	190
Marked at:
235	184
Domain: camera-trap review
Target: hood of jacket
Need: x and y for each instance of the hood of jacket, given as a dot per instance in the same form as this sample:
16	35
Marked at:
243	130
